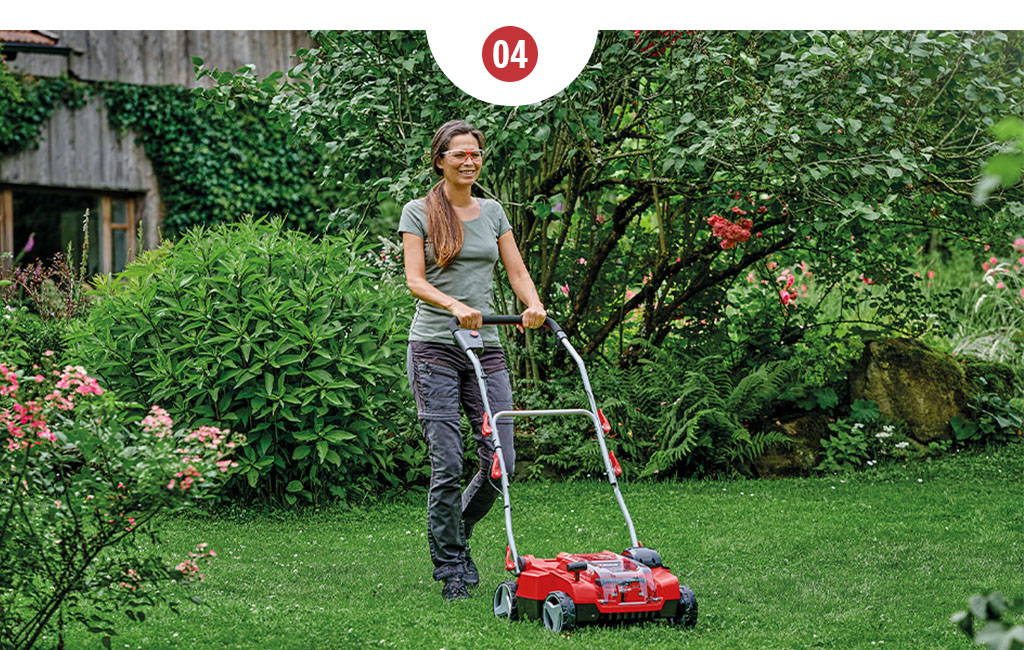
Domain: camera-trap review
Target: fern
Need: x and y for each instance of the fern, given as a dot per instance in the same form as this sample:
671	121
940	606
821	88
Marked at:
703	431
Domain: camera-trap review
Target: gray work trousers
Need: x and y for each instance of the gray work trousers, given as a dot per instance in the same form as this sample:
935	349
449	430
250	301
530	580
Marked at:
442	378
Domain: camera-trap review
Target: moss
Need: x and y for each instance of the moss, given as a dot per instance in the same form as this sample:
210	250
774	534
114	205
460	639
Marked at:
990	377
913	383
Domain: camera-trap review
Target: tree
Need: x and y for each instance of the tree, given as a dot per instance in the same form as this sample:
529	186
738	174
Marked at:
835	145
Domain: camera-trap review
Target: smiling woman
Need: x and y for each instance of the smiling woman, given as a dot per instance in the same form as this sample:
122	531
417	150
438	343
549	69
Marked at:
451	242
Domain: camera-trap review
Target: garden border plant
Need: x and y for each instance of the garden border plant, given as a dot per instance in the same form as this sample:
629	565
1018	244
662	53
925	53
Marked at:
82	476
299	342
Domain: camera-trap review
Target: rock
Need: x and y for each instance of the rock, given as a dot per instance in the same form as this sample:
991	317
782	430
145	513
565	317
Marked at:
913	383
989	377
798	457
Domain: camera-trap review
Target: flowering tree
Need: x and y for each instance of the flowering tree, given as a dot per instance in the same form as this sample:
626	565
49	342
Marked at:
839	147
81	477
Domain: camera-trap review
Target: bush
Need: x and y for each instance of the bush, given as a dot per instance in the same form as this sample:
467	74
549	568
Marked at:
297	342
82	476
25	337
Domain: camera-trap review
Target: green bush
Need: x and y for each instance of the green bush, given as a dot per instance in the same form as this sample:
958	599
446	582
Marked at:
25	337
295	341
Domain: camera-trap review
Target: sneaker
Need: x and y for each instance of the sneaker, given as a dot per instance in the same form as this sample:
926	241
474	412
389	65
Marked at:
471	577
454	589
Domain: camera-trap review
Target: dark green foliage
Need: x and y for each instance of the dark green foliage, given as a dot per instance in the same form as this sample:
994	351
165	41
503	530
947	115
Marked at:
211	165
992	419
704	431
296	342
844	148
26	105
845	450
25	337
214	166
992	621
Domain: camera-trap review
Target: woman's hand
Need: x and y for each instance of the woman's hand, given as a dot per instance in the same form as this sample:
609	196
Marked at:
469	318
534	316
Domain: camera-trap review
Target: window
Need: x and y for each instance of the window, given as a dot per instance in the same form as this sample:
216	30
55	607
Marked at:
54	221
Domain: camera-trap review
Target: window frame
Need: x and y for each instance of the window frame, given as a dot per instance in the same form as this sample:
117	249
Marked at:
106	221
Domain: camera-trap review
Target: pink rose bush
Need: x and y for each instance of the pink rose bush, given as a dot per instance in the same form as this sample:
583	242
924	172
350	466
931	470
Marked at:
81	476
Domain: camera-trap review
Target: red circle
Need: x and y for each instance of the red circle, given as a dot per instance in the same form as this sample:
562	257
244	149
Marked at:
510	53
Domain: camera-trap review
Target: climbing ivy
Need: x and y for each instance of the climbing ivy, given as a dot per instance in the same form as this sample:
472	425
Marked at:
211	166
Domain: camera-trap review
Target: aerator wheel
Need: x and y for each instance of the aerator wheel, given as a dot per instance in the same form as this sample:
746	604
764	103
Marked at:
505	601
559	612
687	608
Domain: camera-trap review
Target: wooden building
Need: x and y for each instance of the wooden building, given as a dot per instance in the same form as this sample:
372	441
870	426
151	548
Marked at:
81	162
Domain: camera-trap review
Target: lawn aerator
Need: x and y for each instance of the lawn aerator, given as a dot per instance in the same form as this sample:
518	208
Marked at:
575	588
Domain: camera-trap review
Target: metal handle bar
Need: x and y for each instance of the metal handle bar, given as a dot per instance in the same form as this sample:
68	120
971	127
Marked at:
516	319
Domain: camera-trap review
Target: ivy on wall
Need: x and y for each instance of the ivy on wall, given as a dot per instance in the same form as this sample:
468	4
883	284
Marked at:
212	167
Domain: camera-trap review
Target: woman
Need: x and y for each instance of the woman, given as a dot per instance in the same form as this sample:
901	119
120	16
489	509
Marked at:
451	242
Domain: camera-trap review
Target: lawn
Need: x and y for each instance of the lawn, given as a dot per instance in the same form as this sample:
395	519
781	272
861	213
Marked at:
874	559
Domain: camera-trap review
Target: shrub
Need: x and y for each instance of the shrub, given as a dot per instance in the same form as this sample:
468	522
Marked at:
82	476
297	342
25	337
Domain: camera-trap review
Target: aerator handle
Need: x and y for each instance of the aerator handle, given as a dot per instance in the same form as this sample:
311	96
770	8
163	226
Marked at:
516	319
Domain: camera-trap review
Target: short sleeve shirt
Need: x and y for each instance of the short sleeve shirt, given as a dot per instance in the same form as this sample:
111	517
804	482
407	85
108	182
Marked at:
469	278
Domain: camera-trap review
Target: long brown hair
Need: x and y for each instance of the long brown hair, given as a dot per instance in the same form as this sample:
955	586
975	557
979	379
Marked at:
443	227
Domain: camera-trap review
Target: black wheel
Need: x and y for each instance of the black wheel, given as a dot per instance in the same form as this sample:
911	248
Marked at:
559	612
505	601
687	608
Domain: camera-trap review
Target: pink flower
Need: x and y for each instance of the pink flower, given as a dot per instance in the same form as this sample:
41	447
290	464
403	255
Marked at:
866	280
730	233
158	422
1018	244
984	265
987	247
564	289
993	261
1000	285
582	261
751	278
600	218
771	265
931	275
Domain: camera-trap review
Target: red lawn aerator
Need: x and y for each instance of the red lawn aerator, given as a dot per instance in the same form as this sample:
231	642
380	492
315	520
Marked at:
575	588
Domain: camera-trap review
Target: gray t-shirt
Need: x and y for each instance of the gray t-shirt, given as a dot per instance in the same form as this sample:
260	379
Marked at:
469	278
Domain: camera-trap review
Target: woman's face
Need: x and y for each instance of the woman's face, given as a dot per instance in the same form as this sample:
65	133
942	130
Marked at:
460	172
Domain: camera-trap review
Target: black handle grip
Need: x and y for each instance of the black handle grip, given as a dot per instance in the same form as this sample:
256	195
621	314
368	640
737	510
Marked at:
549	322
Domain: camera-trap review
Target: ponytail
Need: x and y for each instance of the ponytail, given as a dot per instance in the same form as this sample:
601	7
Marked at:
444	228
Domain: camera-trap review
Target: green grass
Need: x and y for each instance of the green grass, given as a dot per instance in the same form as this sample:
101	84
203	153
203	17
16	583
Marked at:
874	559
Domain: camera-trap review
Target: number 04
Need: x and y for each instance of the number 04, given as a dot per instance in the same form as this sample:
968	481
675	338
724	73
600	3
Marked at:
501	57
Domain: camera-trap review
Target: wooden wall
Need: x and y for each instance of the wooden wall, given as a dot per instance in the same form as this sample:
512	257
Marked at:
163	57
79	150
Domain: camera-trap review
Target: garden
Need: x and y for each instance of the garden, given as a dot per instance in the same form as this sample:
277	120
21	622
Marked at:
794	265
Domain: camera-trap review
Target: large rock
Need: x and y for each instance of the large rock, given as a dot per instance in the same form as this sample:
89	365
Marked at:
913	383
799	455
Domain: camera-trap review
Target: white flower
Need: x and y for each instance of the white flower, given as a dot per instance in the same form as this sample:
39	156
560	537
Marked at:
858	426
883	434
902	445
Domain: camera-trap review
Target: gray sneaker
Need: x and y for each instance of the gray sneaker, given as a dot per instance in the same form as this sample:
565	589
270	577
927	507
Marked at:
454	589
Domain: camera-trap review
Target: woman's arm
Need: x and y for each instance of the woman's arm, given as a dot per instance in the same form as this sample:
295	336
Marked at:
519	278
416	280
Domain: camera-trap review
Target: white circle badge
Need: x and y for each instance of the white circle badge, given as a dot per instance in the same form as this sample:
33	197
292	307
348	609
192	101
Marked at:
514	64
